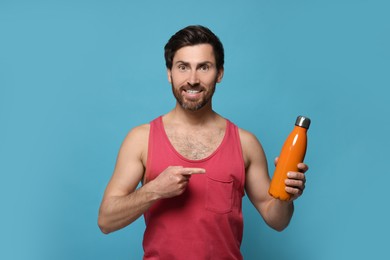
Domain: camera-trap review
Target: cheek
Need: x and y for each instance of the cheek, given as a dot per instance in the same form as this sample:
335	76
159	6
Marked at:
212	80
178	79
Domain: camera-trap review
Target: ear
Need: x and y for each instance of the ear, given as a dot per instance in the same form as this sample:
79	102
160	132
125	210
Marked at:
220	75
169	74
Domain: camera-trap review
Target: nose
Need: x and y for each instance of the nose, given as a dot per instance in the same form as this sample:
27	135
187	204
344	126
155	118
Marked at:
193	80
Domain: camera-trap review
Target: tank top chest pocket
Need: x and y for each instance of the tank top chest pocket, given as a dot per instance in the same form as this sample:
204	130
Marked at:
219	195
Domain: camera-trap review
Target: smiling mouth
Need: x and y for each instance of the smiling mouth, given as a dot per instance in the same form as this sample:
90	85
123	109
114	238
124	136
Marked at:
192	91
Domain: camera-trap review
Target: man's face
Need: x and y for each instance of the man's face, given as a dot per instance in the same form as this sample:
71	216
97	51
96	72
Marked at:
194	75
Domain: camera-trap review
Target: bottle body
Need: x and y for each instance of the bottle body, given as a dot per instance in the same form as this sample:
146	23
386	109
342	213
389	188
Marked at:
292	153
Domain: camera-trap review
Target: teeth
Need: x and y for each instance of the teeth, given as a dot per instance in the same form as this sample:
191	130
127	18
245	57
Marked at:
191	91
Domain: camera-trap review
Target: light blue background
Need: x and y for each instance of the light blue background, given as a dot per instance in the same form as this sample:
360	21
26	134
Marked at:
76	76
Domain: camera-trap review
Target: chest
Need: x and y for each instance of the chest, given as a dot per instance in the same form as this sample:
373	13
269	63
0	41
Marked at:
196	145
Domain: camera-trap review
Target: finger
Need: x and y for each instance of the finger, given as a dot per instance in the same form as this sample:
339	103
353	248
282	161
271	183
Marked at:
303	167
191	171
300	184
186	177
294	191
296	175
276	161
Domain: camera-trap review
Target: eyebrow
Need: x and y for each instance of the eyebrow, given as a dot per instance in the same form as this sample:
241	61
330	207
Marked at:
198	64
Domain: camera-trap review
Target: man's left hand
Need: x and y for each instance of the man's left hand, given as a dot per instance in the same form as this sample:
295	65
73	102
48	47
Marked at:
295	182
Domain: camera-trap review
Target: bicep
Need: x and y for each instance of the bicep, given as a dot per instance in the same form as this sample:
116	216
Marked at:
129	168
257	179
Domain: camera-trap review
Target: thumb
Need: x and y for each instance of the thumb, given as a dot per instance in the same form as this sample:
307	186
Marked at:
276	160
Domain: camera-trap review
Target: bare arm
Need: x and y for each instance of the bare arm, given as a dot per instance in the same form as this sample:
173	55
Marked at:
122	204
276	213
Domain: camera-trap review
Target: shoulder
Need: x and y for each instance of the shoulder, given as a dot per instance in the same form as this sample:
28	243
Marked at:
136	142
248	139
139	133
246	136
251	146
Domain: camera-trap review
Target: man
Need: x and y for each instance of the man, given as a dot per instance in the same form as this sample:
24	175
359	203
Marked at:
194	166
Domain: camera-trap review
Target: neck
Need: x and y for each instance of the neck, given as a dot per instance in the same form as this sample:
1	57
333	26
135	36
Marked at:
194	118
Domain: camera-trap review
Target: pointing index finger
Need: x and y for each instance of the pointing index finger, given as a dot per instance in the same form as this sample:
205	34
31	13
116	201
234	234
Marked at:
190	171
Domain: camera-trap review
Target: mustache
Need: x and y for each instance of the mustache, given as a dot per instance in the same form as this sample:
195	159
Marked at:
193	85
197	86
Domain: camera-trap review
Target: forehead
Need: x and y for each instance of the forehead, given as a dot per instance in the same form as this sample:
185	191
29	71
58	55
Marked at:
195	53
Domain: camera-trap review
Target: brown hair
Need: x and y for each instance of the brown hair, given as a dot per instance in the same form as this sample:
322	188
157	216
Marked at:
194	35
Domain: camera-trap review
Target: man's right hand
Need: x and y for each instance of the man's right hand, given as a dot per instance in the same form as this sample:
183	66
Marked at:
173	181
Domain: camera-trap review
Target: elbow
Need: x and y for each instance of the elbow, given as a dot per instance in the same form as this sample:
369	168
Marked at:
279	224
281	217
104	220
280	228
104	228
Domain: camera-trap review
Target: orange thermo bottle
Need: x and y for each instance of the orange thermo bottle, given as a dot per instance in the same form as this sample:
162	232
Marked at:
293	152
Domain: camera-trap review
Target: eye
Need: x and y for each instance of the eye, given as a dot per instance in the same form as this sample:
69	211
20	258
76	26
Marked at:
204	67
182	67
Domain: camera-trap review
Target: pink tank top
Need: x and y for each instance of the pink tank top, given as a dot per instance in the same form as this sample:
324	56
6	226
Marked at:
205	222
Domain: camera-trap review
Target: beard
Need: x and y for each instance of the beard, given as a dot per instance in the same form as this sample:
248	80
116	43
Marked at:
193	105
